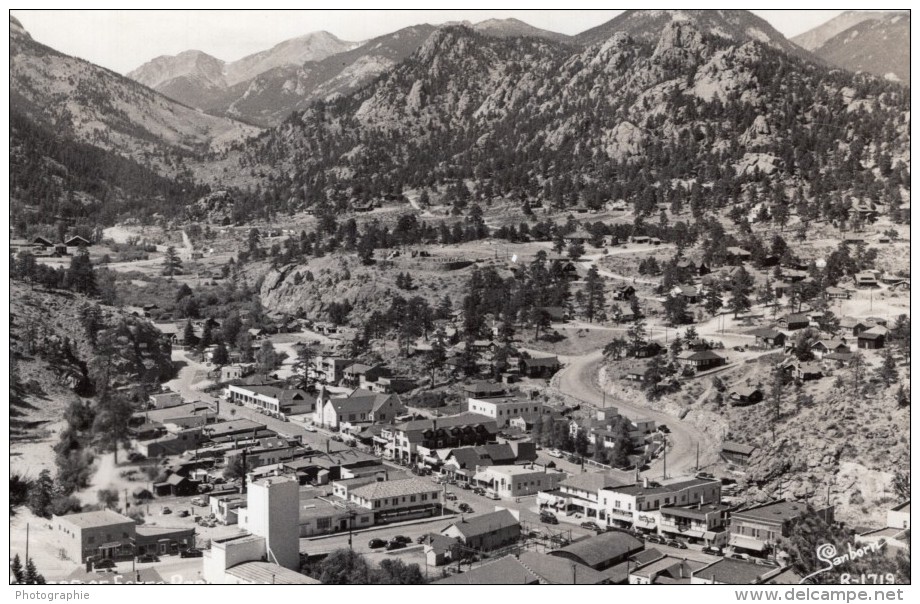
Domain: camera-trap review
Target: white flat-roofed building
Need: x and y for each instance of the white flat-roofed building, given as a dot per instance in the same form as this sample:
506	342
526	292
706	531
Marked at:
504	409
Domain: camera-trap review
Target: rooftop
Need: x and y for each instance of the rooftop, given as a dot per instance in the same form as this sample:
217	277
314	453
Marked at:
485	523
591	482
267	573
395	488
638	489
600	549
779	511
504	571
734	572
85	520
557	571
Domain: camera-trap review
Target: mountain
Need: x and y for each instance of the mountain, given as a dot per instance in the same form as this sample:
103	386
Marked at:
199	80
877	46
314	46
506	28
272	96
634	118
94	105
736	25
815	38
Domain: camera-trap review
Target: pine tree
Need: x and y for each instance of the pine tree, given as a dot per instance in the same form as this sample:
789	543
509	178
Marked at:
17	570
188	335
172	264
110	425
712	301
888	371
32	577
595	299
221	356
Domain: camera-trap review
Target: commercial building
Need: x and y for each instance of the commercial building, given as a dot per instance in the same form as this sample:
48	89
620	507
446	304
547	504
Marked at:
637	505
102	534
271	513
759	528
518	480
503	409
486	532
411	441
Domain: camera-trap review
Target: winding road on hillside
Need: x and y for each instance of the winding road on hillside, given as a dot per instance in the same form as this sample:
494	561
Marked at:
579	379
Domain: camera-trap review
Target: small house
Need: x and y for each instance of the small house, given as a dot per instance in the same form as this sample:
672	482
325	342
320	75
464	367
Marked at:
794	321
872	338
624	292
737	255
865	279
737	453
837	293
745	395
768	338
540	367
701	360
822	348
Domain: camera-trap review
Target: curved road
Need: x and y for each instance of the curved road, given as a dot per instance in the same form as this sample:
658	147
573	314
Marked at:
579	379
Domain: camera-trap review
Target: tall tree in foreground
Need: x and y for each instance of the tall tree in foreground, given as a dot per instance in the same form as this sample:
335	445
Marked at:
172	264
595	300
110	426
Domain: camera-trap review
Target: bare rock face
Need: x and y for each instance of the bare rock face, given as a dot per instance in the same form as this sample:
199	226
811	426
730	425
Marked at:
679	39
216	207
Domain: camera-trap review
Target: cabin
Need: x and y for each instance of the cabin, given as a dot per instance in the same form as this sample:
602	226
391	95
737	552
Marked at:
768	338
745	395
837	293
540	367
822	348
795	321
737	255
624	292
865	279
737	453
701	360
872	338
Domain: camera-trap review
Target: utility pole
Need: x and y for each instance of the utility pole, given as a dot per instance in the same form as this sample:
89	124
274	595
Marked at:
697	457
664	470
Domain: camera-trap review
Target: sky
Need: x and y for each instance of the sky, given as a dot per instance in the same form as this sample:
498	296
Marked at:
123	40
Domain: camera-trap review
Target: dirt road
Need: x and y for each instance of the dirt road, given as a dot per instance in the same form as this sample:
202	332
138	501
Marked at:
579	379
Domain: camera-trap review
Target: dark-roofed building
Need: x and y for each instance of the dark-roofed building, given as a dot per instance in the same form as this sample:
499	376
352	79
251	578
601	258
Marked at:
601	551
822	348
665	570
794	321
745	395
484	389
701	360
486	532
872	338
758	528
322	467
410	441
556	314
730	571
540	367
737	453
504	571
768	338
237	427
699	523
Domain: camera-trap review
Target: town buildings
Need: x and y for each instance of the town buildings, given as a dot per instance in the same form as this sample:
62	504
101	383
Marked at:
758	529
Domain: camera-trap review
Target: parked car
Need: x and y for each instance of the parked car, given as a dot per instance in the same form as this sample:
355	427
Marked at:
198	501
190	553
183	513
479	491
104	563
337	438
591	525
421	539
677	544
712	551
664	428
555	453
135	456
492	495
465	508
376	543
465	486
309	428
450	497
401	539
738	556
166	511
548	518
148	558
395	545
656	539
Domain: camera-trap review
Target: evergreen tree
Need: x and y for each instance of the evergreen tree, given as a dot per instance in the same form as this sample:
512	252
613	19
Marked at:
740	300
172	264
80	276
888	371
188	335
576	250
303	365
40	495
32	576
595	299
19	574
221	356
712	301
110	425
266	358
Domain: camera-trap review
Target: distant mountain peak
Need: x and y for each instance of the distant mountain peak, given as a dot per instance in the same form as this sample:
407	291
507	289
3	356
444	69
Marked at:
505	28
16	28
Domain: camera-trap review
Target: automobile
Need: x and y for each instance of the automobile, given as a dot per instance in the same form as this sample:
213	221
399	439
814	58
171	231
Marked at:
677	544
738	556
166	511
479	491
183	513
450	497
421	539
712	551
465	508
465	486
492	495
590	525
337	438
148	558
376	543
548	518
218	480
576	459
555	453
656	539
738	348
401	539
664	428
309	428
104	563
190	553
197	501
395	545
135	456
205	488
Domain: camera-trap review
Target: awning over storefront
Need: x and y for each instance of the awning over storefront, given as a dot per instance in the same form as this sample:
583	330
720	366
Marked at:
380	440
747	543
